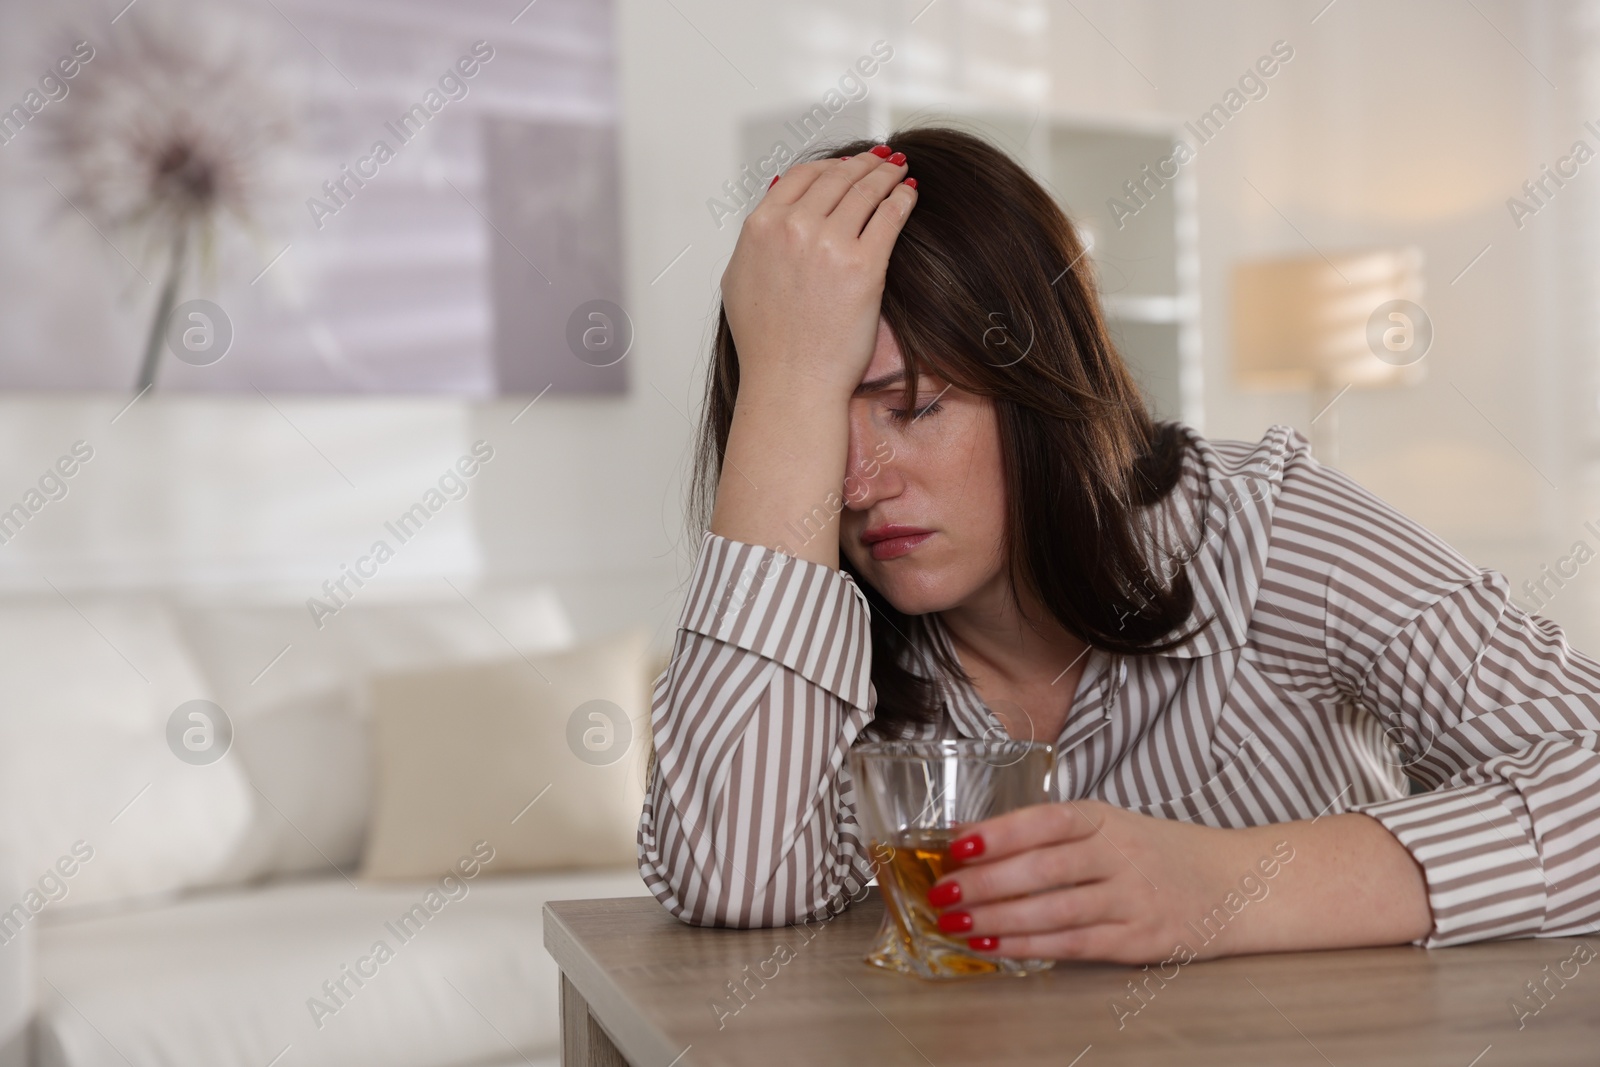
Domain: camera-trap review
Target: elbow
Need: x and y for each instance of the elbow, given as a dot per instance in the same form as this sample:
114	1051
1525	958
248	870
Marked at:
703	893
728	908
726	917
719	896
703	887
704	899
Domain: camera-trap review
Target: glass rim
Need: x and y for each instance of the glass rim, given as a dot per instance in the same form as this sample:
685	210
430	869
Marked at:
973	747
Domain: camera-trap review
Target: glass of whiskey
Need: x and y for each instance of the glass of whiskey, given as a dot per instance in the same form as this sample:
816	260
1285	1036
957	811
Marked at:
912	799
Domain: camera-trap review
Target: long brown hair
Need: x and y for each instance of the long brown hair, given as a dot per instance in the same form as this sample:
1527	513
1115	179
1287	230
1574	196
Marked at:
988	268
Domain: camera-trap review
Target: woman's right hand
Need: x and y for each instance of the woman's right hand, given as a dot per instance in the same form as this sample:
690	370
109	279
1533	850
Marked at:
803	288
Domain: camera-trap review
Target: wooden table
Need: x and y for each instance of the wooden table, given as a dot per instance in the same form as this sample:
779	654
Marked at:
641	988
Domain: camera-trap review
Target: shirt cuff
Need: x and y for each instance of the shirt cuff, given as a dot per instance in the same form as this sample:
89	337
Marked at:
810	618
1485	876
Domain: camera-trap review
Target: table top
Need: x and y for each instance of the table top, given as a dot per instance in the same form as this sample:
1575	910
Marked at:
660	990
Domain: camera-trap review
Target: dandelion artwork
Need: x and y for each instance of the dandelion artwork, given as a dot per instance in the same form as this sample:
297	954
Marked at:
319	197
175	145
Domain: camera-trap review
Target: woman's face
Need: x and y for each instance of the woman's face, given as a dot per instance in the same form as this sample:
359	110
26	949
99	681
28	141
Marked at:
938	472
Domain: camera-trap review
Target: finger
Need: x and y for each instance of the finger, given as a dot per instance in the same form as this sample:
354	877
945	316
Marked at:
1107	941
1043	913
1028	827
833	185
889	219
797	179
1037	869
863	198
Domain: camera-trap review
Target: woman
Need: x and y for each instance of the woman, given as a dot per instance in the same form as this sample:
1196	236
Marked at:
1242	657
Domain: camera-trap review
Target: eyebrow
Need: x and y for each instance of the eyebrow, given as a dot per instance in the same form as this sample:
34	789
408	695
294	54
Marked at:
872	385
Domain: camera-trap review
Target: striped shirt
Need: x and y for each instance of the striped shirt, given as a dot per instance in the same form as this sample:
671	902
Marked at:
1339	649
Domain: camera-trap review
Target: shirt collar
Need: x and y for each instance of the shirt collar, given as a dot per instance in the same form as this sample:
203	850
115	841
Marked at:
1215	524
1103	676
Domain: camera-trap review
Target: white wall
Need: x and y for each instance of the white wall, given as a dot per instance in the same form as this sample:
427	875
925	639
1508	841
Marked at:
1399	124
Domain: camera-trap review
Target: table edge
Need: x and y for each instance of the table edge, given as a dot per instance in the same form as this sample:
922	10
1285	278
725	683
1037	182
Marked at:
634	1035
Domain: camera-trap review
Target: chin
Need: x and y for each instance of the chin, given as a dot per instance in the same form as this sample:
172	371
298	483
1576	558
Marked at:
911	591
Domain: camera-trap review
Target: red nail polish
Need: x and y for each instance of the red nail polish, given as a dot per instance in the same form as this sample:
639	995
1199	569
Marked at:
955	922
966	848
911	182
898	158
774	181
945	894
983	944
882	151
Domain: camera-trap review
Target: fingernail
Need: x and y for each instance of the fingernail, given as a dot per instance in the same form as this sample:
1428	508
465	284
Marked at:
955	922
774	180
898	158
882	151
945	894
909	181
983	944
966	848
843	158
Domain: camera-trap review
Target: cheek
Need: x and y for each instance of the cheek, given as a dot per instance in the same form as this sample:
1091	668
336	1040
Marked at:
966	475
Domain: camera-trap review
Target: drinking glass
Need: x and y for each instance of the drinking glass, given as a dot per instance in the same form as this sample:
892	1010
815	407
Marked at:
912	799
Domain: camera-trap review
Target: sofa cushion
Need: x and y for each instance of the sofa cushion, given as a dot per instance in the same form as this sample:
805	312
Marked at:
496	752
309	760
17	980
296	695
231	978
87	687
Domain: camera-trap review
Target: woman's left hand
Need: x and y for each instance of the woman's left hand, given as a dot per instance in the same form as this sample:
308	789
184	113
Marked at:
1085	880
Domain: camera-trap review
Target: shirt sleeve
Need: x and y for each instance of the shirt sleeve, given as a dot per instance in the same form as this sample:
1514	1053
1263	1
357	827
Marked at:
1503	715
1493	711
749	817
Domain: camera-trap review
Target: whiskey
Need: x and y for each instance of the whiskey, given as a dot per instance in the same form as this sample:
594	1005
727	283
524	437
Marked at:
917	859
951	783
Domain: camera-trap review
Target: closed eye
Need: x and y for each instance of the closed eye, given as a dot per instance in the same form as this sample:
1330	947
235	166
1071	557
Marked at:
907	414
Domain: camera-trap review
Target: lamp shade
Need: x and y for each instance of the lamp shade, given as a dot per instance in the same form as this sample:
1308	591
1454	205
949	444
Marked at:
1305	322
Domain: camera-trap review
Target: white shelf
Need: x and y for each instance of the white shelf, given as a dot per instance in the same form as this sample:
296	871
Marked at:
1149	308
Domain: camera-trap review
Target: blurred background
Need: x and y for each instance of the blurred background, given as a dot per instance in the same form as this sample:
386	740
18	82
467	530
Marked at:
283	281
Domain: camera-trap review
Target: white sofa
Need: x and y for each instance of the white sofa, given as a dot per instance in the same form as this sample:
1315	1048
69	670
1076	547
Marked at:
221	900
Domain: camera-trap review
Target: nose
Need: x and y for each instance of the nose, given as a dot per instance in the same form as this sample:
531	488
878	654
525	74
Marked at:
870	474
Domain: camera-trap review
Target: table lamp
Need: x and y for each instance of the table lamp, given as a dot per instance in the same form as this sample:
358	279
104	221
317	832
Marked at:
1328	323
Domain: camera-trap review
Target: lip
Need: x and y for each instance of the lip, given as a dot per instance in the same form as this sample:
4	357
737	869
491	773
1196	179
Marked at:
894	539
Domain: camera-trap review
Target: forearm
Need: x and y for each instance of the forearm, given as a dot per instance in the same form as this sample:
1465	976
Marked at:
802	296
722	840
783	469
1350	883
